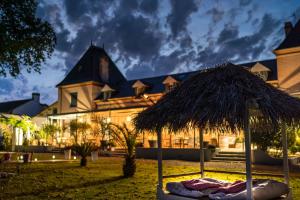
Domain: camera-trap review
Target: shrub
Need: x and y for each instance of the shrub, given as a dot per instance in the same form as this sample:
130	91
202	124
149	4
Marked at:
84	150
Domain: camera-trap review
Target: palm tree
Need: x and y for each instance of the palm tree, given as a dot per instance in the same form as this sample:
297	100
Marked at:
79	128
49	130
126	138
84	150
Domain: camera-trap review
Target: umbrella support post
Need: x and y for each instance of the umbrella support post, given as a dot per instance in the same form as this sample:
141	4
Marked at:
201	153
285	158
248	154
159	161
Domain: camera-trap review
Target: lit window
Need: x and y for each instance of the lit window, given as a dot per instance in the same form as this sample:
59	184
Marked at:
73	99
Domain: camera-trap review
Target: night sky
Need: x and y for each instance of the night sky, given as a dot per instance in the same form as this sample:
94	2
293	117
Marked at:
153	37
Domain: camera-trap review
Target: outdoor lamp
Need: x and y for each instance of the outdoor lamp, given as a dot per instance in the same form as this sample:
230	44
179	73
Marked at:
74	157
35	159
145	96
128	118
21	157
53	156
108	120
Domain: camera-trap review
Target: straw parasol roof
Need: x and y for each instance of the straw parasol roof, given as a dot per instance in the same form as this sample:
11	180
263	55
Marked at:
216	98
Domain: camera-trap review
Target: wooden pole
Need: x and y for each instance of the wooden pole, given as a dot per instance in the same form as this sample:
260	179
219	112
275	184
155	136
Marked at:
285	155
201	152
248	154
159	160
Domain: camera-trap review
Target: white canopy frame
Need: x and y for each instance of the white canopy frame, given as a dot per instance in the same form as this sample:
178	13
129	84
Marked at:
160	192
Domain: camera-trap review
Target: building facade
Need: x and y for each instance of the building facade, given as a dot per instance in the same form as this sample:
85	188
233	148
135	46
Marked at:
95	89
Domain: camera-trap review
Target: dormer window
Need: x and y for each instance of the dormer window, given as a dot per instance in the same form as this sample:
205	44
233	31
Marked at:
170	83
139	88
106	92
261	71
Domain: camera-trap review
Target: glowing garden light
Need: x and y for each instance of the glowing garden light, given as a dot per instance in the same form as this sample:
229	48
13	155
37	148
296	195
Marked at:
35	159
128	119
53	156
75	158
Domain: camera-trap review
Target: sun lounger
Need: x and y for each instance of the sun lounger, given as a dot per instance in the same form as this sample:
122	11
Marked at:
262	190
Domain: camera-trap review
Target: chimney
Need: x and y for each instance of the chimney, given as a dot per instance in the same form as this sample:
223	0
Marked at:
36	97
288	27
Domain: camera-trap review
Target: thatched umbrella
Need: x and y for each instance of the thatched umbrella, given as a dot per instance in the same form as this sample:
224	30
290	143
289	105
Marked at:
219	98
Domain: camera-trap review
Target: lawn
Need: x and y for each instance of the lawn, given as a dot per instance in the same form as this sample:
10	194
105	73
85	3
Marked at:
99	180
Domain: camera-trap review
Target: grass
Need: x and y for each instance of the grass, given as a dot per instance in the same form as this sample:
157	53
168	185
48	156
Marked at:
99	180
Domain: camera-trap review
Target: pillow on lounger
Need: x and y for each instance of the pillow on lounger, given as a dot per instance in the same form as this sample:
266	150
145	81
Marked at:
263	190
178	189
269	189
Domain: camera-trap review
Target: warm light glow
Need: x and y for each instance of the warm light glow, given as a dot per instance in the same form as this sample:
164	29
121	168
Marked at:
145	96
53	156
35	159
74	157
108	120
128	118
21	157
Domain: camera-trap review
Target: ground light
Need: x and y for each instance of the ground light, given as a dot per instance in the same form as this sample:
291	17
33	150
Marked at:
74	157
35	159
53	156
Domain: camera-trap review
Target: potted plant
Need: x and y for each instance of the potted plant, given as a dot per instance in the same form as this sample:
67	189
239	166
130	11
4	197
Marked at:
103	144
139	144
68	152
152	143
26	155
94	153
7	157
111	145
83	150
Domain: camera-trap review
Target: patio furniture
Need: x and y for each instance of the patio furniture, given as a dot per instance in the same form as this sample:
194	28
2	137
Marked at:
220	98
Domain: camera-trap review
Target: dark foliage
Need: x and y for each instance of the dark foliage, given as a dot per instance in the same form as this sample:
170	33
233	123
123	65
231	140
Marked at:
25	39
264	136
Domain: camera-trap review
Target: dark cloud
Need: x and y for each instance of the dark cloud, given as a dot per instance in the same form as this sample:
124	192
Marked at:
245	2
74	10
63	43
180	13
237	49
217	14
149	6
228	33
